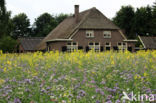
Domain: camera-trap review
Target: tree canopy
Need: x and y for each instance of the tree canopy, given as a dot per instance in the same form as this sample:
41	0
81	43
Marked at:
21	25
124	19
7	44
4	19
140	22
45	23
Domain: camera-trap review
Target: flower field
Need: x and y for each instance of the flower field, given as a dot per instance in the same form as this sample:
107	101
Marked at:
76	77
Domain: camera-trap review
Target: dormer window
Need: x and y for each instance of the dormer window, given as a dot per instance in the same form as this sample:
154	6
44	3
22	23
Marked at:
89	33
107	34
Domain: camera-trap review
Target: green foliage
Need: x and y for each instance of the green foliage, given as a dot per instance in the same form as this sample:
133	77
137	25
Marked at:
7	44
141	22
154	19
45	23
124	19
5	24
21	26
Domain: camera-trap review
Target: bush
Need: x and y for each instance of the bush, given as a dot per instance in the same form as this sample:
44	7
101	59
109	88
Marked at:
7	44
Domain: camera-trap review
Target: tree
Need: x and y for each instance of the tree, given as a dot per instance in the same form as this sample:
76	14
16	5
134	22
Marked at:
43	25
124	19
154	19
143	21
7	44
5	23
21	26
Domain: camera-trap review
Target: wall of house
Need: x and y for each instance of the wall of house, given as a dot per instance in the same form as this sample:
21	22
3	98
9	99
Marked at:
56	45
83	41
21	50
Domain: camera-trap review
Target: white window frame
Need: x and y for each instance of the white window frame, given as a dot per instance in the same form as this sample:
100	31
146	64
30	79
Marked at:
94	46
122	47
90	34
72	47
107	34
108	45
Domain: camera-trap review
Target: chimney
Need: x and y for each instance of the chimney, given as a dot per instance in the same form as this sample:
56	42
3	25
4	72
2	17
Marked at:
77	13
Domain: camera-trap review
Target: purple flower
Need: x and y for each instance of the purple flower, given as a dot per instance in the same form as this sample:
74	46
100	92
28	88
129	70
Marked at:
48	88
17	100
92	81
117	101
97	90
109	101
101	92
109	97
27	81
78	97
97	101
103	82
82	93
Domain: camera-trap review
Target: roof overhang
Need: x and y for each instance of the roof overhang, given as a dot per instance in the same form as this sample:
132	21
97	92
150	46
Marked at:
54	40
130	40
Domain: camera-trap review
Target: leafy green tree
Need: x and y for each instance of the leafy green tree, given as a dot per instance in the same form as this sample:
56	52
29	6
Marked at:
43	25
7	44
21	26
124	19
143	21
5	23
154	19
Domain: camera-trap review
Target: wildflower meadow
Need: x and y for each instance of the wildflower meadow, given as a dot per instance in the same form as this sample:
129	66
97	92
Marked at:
76	77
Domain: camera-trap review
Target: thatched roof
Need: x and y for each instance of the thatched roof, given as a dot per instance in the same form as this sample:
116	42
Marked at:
89	19
148	42
30	43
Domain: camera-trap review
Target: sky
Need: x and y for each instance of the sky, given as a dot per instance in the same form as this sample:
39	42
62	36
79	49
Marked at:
34	8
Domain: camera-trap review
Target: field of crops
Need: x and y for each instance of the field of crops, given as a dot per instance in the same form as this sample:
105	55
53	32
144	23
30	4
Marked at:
75	77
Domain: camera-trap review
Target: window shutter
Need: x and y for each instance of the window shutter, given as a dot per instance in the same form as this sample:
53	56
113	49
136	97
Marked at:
64	48
87	48
101	48
80	47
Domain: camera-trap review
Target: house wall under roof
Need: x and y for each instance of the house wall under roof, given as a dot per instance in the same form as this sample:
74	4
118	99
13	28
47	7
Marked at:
83	41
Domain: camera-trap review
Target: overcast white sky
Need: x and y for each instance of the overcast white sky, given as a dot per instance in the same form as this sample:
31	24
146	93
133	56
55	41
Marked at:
33	8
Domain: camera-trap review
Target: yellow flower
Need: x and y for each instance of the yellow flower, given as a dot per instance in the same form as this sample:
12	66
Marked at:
8	62
34	74
112	62
5	70
1	52
137	76
145	74
1	81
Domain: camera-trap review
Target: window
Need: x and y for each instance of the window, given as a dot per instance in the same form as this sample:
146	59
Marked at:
71	46
89	34
91	46
108	45
122	46
107	34
119	44
95	46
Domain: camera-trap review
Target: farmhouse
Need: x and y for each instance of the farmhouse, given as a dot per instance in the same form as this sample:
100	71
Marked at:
86	30
148	42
